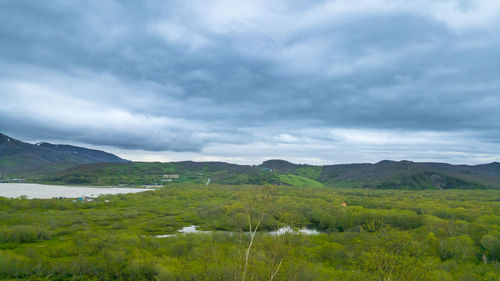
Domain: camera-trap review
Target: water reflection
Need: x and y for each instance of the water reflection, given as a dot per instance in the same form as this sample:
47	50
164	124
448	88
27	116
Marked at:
194	229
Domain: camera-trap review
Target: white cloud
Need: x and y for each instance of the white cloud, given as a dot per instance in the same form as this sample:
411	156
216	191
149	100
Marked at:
244	81
175	33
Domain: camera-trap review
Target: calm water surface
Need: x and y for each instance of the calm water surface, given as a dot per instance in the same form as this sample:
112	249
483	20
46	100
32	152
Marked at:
281	231
42	191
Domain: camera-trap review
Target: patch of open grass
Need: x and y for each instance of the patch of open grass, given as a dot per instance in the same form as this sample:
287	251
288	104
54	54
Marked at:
294	180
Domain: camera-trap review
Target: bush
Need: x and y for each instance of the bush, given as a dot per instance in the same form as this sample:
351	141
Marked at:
24	234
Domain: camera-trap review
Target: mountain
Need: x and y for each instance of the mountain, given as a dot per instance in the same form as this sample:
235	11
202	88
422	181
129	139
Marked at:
404	174
382	175
21	158
66	164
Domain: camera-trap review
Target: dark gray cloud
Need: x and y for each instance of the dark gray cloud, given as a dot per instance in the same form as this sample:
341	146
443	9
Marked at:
199	77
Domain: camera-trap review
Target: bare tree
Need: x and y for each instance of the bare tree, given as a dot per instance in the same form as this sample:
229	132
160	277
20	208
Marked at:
255	204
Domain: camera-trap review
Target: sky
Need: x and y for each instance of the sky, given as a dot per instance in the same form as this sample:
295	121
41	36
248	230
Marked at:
317	82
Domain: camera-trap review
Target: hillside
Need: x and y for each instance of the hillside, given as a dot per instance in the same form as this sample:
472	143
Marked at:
66	164
382	175
397	174
140	173
21	158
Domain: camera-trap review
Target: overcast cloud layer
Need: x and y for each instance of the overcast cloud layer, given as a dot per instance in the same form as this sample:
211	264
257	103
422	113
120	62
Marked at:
243	81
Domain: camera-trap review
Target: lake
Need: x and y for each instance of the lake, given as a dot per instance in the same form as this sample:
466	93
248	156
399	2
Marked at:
42	191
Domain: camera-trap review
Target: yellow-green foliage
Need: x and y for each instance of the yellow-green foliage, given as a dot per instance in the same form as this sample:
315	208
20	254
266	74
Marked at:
379	235
299	181
312	172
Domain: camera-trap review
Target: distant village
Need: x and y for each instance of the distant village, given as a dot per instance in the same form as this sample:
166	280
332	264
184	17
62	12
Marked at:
15	180
165	178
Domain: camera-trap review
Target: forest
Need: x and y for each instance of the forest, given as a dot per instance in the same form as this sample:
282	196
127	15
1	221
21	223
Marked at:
360	234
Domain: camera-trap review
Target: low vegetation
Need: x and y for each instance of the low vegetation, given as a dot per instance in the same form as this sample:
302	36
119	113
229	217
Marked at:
378	235
294	180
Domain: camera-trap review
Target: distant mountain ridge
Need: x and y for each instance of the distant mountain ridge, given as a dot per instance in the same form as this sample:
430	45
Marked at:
18	157
67	164
397	174
382	175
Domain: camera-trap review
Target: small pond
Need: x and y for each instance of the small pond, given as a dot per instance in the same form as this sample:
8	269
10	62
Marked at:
281	231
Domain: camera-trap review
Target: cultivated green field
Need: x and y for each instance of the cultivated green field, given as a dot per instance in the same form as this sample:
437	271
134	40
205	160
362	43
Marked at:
379	235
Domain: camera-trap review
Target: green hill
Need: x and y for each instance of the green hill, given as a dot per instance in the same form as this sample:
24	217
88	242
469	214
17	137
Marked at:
65	164
382	175
25	159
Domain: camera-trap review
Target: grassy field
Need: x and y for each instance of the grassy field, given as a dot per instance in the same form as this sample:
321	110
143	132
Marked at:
294	180
379	235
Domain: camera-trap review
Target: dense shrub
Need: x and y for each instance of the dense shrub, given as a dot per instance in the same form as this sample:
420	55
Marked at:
23	233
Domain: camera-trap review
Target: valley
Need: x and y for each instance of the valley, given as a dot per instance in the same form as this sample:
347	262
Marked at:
392	220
